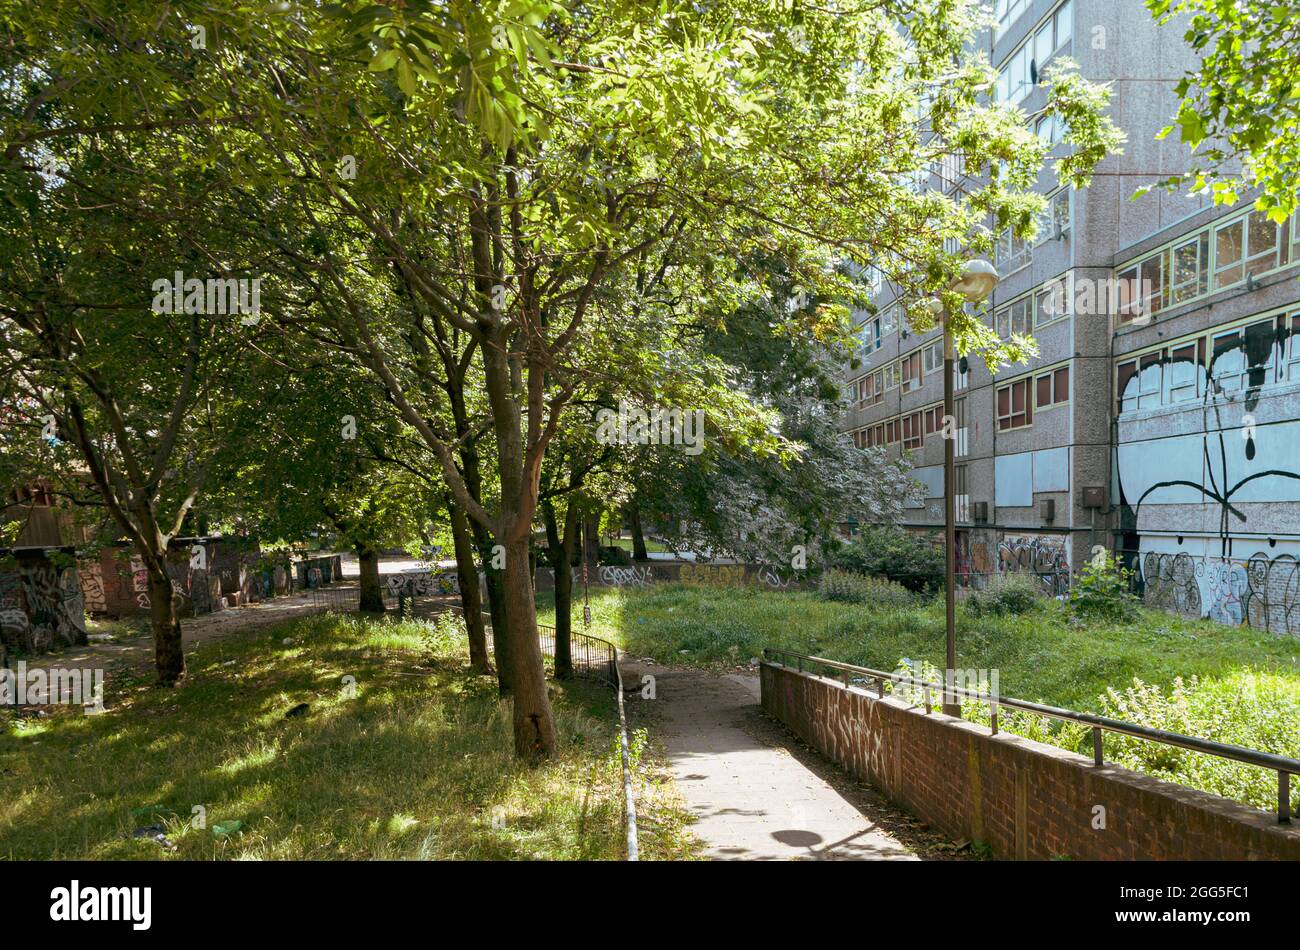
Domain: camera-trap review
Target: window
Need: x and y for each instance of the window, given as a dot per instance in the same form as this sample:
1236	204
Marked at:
1011	252
1015	318
1150	373
1007	12
933	420
932	357
1141	288
1289	370
961	444
1124	374
1052	389
960	497
1024	67
890	373
1051	303
1227	361
1251	245
950	168
912	436
911	371
1014	410
1189	269
1182	377
1050	129
1295	236
891	430
1054	219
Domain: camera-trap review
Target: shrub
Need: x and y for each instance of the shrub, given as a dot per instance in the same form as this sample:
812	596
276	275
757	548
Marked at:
443	635
851	588
905	557
1005	594
1103	591
1253	709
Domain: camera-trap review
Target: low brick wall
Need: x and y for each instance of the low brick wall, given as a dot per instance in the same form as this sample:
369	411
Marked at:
1022	798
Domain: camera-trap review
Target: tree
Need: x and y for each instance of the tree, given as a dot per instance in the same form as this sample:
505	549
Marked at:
109	319
516	162
1240	108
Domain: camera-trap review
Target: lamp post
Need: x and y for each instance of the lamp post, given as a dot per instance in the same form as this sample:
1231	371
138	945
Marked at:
975	283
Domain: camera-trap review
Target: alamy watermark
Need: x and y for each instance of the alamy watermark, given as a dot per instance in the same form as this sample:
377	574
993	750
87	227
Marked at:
57	686
215	295
632	425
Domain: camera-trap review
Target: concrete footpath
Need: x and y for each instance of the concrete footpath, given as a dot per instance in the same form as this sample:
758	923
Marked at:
753	797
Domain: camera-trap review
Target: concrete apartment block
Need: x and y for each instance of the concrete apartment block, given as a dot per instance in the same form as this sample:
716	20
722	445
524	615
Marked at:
1164	426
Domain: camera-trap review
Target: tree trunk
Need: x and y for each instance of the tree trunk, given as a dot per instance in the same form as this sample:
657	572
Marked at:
559	552
496	606
372	595
591	539
534	723
169	656
470	600
639	552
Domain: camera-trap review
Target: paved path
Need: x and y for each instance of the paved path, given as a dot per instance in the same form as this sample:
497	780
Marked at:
753	799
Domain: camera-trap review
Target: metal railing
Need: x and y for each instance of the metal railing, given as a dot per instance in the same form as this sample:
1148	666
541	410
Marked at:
587	654
341	600
1285	767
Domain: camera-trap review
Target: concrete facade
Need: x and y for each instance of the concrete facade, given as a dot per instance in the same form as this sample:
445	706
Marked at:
1181	413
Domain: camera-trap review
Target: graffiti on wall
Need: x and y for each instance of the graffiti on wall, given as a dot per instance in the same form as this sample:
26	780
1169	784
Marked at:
41	606
1262	591
613	576
1040	554
1172	582
92	586
422	583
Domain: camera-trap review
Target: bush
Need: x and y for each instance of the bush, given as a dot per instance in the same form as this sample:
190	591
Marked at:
1005	594
860	589
443	635
906	558
1257	710
1103	591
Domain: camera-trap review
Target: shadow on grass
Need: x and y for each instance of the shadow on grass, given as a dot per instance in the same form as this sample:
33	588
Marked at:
400	754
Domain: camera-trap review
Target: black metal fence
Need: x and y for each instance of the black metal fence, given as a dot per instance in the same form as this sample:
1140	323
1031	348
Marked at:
589	656
860	677
344	599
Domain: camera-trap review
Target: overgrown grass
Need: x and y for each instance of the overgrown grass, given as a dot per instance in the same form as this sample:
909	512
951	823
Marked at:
410	757
1247	690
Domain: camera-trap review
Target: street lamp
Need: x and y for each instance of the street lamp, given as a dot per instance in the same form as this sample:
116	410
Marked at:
975	283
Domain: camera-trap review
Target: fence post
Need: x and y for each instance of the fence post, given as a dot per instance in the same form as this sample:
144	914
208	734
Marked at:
1283	797
1096	745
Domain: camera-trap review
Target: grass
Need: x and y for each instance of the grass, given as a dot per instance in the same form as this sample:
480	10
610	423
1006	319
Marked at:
414	762
1247	688
651	545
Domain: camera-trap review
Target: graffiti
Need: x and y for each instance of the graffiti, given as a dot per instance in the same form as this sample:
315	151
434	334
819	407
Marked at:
1036	554
713	575
14	627
612	576
772	578
41	606
1261	591
424	583
92	587
1171	582
1226	588
1273	593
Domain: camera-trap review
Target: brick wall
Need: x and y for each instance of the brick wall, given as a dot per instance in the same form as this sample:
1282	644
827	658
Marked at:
1022	798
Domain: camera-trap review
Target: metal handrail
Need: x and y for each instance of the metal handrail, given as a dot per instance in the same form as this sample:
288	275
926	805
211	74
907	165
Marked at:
1284	766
